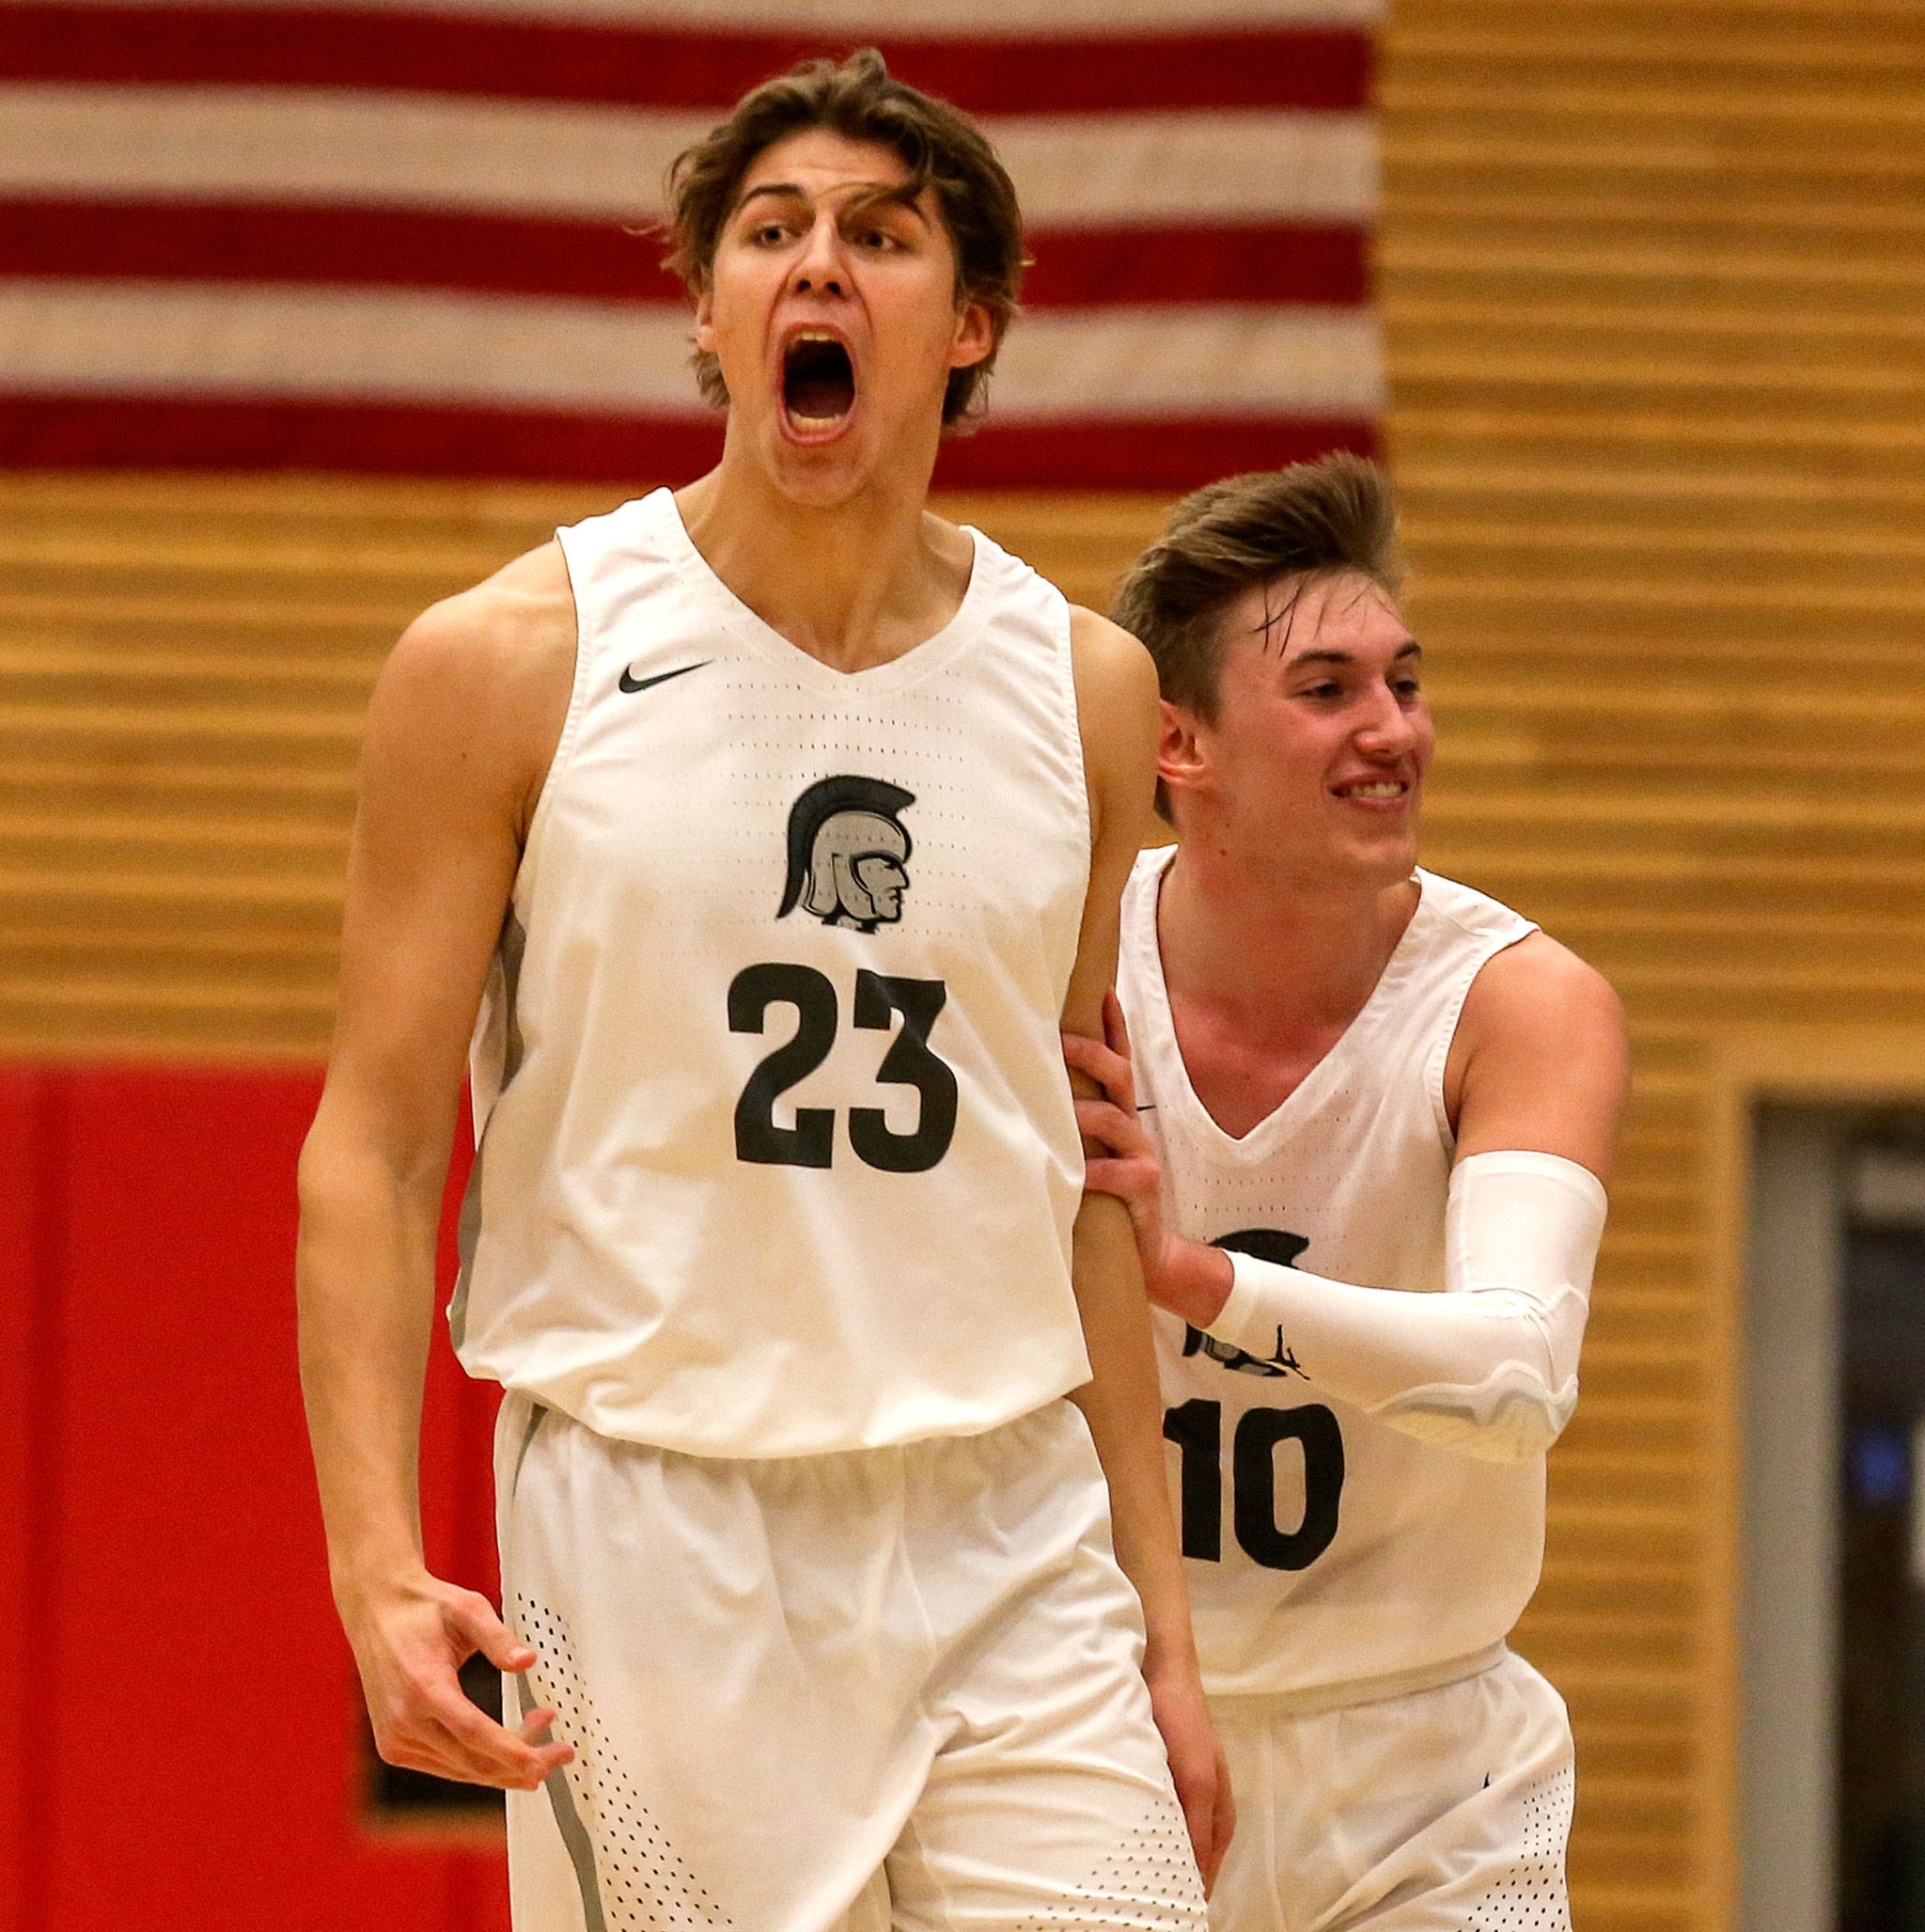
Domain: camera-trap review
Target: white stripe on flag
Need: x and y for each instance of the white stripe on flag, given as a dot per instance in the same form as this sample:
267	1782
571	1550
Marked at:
1191	362
885	19
542	158
511	352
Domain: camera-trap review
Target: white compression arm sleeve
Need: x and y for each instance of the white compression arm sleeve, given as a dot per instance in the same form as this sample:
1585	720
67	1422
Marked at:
1489	1367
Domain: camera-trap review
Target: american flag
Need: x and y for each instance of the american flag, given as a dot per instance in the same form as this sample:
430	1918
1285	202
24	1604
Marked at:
404	237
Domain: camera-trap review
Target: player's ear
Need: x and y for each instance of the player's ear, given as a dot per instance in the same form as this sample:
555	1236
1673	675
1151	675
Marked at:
705	320
975	335
1180	760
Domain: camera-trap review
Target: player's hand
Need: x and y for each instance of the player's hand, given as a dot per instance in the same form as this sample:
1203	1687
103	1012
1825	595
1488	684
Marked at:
1123	1162
1198	1768
1186	1278
410	1640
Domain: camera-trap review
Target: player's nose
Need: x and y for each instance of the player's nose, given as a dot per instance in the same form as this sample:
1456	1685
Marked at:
1390	729
821	267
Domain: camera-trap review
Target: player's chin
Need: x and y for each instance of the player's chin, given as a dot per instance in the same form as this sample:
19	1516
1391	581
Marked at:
1386	846
819	476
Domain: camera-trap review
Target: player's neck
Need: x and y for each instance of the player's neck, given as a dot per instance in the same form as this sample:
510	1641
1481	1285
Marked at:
1280	951
855	584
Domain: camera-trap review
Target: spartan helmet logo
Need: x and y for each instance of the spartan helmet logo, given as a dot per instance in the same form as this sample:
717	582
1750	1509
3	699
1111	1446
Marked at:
847	852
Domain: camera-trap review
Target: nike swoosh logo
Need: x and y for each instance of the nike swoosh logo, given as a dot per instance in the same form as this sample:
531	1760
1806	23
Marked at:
629	684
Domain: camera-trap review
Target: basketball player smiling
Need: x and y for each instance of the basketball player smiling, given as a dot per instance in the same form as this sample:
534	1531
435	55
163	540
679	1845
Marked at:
1349	1077
817	1606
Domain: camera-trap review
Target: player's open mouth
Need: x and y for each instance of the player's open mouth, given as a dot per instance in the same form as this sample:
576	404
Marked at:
1374	791
818	382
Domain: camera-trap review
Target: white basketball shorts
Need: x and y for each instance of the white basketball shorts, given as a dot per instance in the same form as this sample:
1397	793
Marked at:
896	1688
1438	1811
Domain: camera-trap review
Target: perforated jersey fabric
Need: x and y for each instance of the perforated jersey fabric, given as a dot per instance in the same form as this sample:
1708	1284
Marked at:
1531	1897
890	1691
639	1878
1445	1810
777	1153
1326	1549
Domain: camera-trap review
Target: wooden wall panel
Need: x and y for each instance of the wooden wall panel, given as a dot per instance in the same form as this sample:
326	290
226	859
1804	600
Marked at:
184	665
1651	279
1655	309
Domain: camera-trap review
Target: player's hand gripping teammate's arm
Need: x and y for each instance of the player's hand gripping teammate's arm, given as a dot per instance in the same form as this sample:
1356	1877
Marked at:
1534	1084
1116	691
460	734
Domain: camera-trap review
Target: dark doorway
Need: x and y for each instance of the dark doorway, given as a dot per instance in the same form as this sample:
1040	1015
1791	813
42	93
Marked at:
1880	1655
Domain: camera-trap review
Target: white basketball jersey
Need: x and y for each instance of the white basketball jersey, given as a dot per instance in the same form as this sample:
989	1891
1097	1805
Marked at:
777	1152
1325	1550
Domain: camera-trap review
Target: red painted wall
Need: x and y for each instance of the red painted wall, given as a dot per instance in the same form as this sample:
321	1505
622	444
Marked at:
180	1741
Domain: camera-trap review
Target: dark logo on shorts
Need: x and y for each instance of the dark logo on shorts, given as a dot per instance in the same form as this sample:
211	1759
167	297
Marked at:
1265	1244
849	853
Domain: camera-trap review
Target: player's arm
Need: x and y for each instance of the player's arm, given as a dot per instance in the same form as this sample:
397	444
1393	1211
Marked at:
459	734
1116	692
1535	1082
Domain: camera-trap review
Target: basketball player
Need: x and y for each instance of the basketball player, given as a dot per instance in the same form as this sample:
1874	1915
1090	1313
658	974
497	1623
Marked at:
1364	1153
773	826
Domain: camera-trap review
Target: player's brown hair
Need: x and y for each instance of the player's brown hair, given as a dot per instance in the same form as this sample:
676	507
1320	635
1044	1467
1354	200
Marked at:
1313	520
860	99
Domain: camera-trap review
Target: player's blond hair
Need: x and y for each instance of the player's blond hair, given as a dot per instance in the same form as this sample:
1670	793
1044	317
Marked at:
860	99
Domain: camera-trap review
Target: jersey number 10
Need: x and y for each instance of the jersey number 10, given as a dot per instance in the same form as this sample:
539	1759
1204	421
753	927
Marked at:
1197	1429
909	1062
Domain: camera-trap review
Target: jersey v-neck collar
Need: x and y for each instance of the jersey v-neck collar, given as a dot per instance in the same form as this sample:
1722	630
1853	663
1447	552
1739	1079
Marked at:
1260	1140
918	662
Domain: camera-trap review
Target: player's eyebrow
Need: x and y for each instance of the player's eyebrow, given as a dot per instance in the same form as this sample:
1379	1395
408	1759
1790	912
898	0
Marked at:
901	194
1410	647
868	194
783	191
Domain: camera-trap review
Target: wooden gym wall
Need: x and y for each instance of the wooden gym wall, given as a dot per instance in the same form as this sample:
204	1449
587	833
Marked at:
1656	308
1653	285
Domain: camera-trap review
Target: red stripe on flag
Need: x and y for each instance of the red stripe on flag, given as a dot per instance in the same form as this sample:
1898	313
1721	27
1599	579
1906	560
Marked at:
140	433
1259	263
1304	68
1174	455
597	261
378	247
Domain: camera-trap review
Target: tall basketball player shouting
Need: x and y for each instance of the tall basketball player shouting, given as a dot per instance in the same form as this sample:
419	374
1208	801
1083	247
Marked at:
770	826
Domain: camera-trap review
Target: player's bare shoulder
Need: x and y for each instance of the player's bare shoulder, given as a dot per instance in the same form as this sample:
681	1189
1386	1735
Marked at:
1540	1058
475	694
1115	707
1109	660
1538	986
